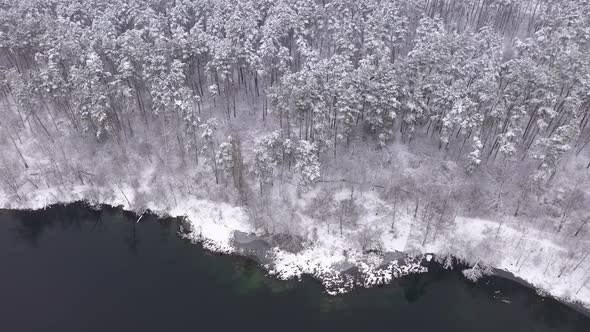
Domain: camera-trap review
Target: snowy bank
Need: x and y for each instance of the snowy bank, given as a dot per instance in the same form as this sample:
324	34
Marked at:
337	258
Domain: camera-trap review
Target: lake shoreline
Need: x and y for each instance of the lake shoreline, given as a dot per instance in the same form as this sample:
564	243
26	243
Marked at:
258	249
146	276
578	307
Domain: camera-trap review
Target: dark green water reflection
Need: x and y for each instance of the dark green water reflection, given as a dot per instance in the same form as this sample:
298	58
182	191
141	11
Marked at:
75	269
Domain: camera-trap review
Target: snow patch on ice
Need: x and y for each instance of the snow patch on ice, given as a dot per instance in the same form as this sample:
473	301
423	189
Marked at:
213	224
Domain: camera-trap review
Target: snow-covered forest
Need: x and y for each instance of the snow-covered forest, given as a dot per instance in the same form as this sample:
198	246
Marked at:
450	126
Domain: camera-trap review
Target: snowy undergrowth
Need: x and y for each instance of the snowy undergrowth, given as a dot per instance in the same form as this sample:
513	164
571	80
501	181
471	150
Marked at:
529	254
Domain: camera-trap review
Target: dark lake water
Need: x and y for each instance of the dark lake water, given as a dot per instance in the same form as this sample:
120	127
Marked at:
76	269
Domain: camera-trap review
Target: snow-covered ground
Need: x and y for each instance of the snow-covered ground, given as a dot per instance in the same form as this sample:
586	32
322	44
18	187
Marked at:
528	253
